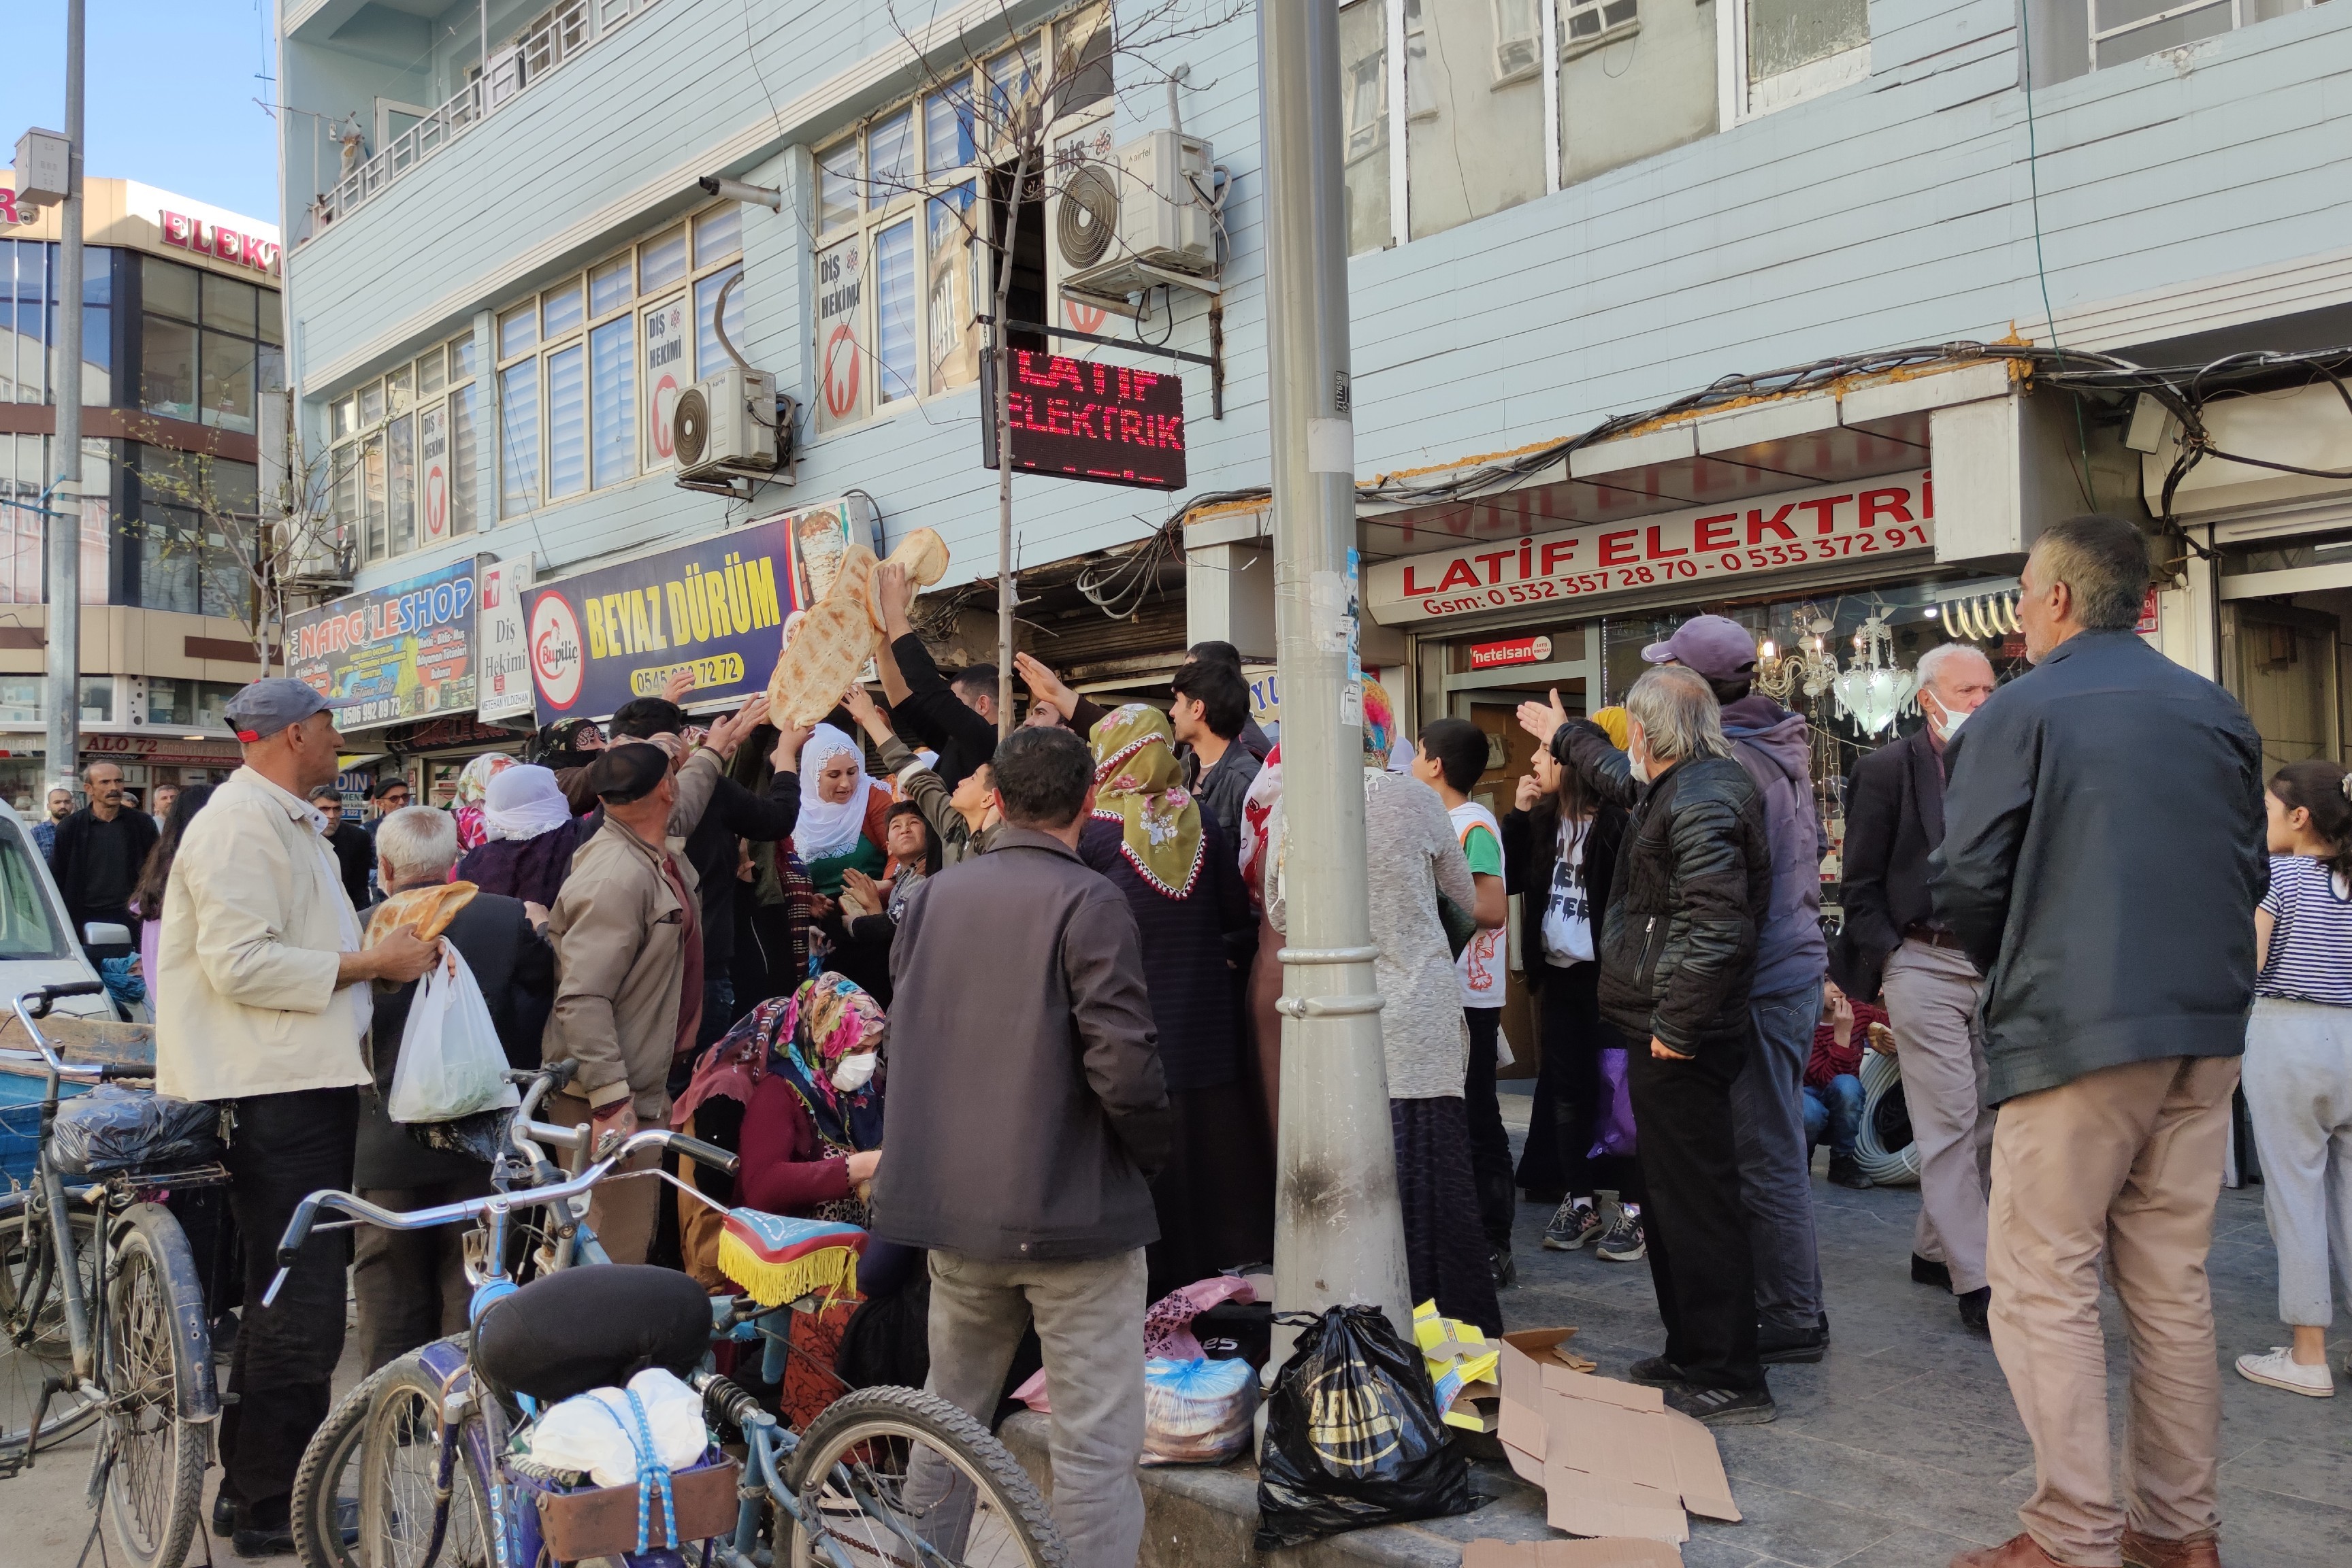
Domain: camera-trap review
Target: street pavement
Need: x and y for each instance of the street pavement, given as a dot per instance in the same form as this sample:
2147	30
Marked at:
1902	1445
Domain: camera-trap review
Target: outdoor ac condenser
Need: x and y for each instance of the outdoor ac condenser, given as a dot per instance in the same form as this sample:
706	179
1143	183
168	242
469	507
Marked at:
1164	217
725	425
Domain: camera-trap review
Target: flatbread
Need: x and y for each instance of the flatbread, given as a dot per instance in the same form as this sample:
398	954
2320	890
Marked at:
924	554
429	909
829	647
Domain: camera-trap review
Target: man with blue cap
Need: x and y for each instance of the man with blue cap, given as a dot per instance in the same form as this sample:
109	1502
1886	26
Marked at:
262	957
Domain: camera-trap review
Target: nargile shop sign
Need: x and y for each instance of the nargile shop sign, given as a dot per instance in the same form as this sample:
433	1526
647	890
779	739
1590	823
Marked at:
1860	520
391	654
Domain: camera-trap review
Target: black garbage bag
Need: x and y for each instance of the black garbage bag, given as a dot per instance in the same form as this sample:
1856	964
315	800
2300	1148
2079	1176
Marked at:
1352	1435
115	1129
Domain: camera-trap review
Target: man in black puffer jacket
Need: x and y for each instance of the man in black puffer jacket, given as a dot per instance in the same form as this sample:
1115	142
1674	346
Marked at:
1694	882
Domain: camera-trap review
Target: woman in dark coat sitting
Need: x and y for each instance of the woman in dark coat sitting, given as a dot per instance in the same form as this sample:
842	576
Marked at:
1180	876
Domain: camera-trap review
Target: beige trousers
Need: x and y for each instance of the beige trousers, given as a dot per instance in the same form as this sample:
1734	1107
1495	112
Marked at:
2121	1166
1931	1004
622	1213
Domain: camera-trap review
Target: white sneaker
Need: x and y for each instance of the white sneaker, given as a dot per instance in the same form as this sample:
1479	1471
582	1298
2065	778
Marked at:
2281	1370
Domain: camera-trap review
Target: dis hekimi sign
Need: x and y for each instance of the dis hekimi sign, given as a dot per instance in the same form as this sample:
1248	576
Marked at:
1862	520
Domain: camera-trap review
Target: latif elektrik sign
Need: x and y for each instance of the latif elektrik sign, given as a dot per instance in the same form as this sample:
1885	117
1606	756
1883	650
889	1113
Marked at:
1082	419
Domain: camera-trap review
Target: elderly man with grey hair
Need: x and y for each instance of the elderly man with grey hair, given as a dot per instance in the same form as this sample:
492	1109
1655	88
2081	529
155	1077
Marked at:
1693	887
2103	856
411	1286
1896	945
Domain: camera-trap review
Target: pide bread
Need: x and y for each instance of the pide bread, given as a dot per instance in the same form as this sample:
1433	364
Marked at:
830	646
428	910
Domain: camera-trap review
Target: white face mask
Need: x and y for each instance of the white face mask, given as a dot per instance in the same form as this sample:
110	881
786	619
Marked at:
1949	725
855	1072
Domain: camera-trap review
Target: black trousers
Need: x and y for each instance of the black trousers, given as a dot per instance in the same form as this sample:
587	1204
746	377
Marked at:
1692	1221
1568	1092
283	1148
410	1285
1490	1142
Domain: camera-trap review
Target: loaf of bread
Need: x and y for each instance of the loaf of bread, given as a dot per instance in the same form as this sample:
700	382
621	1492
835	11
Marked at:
428	910
829	647
924	554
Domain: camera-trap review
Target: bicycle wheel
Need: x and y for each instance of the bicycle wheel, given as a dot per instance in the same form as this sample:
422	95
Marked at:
155	1348
399	1458
882	1465
34	1345
326	1505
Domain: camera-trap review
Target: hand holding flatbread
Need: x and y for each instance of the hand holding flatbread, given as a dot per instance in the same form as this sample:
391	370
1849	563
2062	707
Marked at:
923	556
828	647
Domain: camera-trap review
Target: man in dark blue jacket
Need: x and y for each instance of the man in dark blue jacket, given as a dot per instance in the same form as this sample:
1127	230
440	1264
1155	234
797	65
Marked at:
2103	854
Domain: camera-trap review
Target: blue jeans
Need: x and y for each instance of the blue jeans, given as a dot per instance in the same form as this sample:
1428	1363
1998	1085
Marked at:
1837	1108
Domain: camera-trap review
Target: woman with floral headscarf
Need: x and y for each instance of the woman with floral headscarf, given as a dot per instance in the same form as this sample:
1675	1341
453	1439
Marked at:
1411	857
1182	878
473	789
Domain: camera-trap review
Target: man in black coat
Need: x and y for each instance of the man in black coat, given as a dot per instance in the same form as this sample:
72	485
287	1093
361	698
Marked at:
734	812
1692	886
956	718
353	846
1895	945
100	850
411	1285
2104	851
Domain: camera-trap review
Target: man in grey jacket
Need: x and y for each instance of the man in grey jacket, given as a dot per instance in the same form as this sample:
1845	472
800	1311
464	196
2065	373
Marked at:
2103	854
1028	1112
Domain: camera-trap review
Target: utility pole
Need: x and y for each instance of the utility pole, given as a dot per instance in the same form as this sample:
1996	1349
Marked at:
1338	1232
65	510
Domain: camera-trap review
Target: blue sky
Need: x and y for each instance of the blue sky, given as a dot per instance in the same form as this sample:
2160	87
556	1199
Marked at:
170	90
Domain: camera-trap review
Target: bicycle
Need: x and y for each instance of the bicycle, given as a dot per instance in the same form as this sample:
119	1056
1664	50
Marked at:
890	1475
104	1320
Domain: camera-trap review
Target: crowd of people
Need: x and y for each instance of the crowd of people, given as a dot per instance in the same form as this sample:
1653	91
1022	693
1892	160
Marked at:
1008	1003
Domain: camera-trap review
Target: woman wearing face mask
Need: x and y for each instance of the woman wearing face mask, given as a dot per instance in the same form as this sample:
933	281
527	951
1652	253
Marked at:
844	814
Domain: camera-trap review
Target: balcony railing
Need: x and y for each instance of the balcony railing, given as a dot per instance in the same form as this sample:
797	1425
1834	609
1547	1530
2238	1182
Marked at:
546	46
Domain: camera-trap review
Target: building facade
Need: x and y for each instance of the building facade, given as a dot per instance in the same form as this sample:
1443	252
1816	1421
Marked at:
185	411
510	238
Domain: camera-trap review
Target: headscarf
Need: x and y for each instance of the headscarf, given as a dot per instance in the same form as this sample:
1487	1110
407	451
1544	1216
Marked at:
1256	807
804	1038
828	829
1379	725
559	744
473	789
1140	783
522	803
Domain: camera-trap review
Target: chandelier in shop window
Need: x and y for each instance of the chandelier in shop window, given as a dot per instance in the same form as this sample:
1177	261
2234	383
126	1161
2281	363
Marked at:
1806	669
1872	691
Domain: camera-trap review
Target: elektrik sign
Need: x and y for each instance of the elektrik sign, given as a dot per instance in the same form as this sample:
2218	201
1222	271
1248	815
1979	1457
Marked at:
393	654
716	606
1083	419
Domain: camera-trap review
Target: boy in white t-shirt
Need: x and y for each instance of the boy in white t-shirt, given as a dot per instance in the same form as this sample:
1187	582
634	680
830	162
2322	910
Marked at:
1451	758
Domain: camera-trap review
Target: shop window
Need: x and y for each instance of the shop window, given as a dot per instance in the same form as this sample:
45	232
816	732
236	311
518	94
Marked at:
98	699
20	699
226	386
167	368
189	704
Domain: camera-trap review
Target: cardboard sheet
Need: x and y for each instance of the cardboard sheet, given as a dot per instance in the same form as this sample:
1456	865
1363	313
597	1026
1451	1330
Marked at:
1609	1554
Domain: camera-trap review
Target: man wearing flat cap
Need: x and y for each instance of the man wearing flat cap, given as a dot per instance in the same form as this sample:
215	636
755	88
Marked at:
261	956
628	970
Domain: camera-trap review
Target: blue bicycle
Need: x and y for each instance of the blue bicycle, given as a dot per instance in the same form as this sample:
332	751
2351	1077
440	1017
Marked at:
420	1465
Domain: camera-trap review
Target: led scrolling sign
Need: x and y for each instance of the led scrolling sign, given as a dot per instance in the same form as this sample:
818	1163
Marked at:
1081	419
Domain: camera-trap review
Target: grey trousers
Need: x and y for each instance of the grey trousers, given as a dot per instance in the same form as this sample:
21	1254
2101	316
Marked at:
1776	1178
1931	1004
1089	1319
2298	1083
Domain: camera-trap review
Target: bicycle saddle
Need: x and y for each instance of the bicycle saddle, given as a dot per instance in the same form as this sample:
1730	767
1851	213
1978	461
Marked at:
777	1258
592	1327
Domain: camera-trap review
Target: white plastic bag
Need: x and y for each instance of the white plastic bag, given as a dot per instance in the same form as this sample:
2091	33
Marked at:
451	1063
597	1431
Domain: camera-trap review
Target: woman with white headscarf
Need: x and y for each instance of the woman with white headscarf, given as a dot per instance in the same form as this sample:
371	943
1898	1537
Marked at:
529	835
844	814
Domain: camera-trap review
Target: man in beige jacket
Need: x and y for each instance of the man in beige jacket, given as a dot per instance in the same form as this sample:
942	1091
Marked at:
261	957
628	970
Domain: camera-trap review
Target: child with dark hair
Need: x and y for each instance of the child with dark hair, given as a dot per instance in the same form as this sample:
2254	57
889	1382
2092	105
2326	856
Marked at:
1211	708
866	918
1451	761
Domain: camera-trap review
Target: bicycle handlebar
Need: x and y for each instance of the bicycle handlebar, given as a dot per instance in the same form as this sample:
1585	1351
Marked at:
37	1004
306	1213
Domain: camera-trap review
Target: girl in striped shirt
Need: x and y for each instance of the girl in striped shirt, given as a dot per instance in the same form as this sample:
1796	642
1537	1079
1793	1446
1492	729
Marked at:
2298	1069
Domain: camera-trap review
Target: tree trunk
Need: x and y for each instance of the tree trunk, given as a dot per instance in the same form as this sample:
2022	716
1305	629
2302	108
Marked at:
1007	590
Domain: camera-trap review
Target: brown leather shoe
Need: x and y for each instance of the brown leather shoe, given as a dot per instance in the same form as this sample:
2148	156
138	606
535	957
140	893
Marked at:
2202	1550
2017	1552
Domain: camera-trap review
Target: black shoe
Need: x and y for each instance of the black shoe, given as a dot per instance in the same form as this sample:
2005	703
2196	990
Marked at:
1504	1268
1975	1309
1777	1347
224	1516
1926	1272
1845	1171
1724	1407
265	1540
1655	1372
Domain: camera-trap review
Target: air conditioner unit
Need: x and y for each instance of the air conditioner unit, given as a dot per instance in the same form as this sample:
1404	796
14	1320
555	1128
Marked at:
1160	200
1082	222
725	425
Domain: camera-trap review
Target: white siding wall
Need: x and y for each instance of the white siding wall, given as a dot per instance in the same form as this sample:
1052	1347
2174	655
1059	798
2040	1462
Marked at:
1891	211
